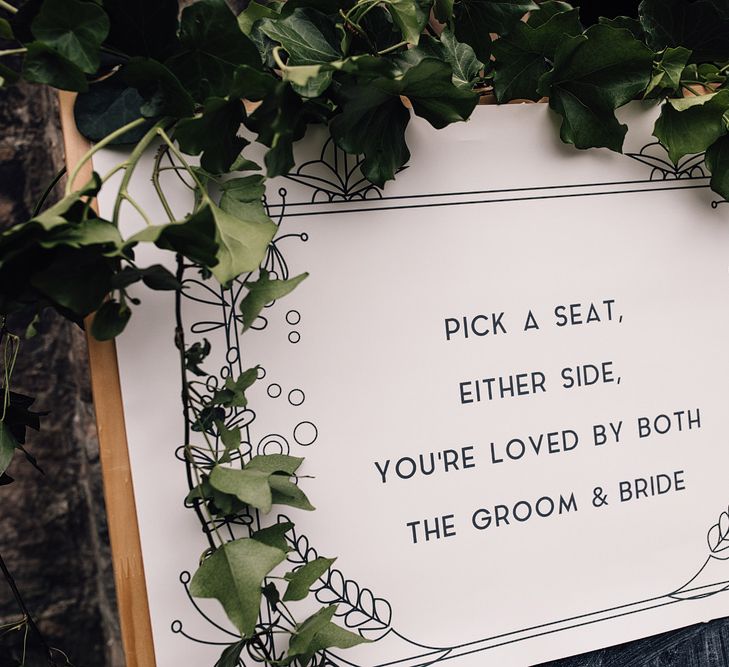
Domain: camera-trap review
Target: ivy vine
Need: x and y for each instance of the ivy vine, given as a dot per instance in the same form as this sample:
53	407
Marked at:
188	85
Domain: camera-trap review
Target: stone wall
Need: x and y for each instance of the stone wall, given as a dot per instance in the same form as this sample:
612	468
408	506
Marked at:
52	528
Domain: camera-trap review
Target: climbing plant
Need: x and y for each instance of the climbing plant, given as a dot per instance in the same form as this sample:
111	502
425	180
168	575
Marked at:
195	87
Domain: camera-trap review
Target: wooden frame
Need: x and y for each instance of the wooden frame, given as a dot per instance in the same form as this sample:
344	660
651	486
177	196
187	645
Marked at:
126	549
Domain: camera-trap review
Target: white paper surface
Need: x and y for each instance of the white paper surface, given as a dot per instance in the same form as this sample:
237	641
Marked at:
492	216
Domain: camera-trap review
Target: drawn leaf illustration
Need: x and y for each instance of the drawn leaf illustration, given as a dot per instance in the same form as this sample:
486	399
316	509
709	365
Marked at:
718	537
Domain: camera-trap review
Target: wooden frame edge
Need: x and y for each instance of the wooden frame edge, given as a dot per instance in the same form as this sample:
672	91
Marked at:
121	511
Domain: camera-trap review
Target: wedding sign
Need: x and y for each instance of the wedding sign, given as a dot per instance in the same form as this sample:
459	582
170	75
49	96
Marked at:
507	373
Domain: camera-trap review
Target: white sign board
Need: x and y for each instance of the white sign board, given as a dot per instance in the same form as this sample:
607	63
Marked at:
507	373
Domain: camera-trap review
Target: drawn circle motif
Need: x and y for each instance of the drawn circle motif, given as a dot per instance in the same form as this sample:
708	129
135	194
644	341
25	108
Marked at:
294	337
261	373
273	444
305	433
296	397
232	355
293	317
274	390
176	627
304	237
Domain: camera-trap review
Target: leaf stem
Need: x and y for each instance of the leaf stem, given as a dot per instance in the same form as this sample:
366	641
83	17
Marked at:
97	147
158	187
394	47
13	52
203	193
7	6
47	191
130	166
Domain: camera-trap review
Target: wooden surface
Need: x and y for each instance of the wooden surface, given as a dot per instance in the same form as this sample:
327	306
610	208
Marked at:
131	589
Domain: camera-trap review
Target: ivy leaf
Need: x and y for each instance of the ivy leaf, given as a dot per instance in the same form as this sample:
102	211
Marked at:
692	124
213	46
410	16
263	291
308	36
73	28
667	71
593	75
474	20
8	443
302	579
254	12
285	492
195	355
242	242
107	106
443	10
249	486
627	22
214	134
372	123
192	238
231	439
318	633
233	575
521	56
717	160
275	463
275	535
233	392
462	59
231	655
110	320
44	65
702	27
429	87
6	30
161	90
142	28
273	597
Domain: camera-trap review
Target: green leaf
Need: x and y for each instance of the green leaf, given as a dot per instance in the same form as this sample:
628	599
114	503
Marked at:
233	575
626	22
253	13
275	463
73	28
231	439
699	26
110	320
233	392
44	65
195	355
593	75
318	633
302	579
372	123
475	19
717	160
6	30
429	87
285	492
214	134
213	47
157	277
192	238
107	106
161	90
308	36
231	655
263	291
668	70
143	28
242	242
8	443
275	536
522	56
249	486
443	10
462	59
692	124
410	16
